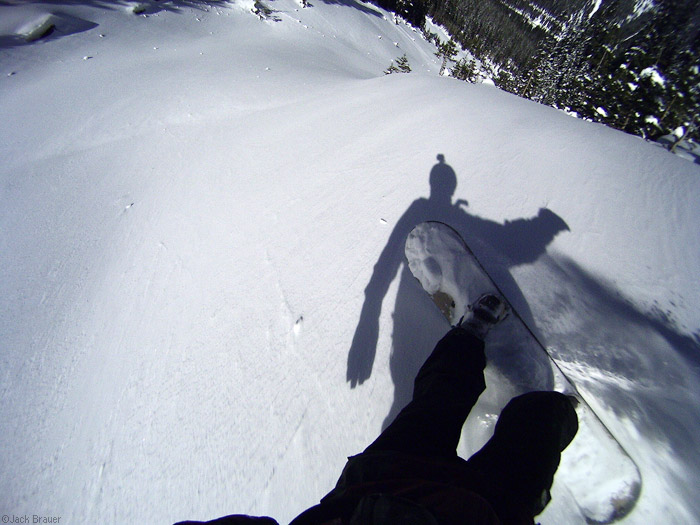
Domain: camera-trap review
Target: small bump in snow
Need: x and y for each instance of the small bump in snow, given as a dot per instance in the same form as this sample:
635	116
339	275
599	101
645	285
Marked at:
297	325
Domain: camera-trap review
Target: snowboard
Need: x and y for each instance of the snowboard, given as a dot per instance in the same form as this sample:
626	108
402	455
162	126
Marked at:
600	475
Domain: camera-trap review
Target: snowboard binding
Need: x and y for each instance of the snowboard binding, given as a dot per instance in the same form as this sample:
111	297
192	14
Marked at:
483	314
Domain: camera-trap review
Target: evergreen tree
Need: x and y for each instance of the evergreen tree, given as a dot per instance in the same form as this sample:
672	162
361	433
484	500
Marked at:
505	81
549	77
447	52
617	96
601	90
465	70
391	69
575	73
683	96
401	66
531	79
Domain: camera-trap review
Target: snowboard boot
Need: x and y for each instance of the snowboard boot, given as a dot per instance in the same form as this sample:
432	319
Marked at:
487	311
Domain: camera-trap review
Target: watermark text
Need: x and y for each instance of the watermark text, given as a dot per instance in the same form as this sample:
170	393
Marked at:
29	518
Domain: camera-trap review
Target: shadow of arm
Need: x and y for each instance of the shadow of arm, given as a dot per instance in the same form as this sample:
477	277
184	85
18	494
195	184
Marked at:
364	342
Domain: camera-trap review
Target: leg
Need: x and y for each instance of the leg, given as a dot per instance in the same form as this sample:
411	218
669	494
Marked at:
445	390
519	461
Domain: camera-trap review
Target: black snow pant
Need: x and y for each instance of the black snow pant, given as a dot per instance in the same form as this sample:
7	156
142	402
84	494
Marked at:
516	467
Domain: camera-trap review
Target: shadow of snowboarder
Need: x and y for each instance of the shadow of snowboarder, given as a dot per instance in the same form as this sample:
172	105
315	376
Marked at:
500	246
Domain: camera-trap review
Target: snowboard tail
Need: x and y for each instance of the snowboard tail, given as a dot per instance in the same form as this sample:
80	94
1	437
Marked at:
601	476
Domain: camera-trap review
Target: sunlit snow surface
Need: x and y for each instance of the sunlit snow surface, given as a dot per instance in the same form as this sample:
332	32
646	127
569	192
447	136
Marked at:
192	202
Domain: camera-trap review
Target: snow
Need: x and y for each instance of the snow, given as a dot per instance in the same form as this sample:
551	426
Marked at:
596	6
656	77
650	119
188	222
642	6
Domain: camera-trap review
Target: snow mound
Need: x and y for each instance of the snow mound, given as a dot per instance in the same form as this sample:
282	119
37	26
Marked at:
27	24
37	28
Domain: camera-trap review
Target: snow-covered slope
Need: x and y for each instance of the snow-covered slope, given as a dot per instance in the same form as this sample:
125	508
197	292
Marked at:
192	203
